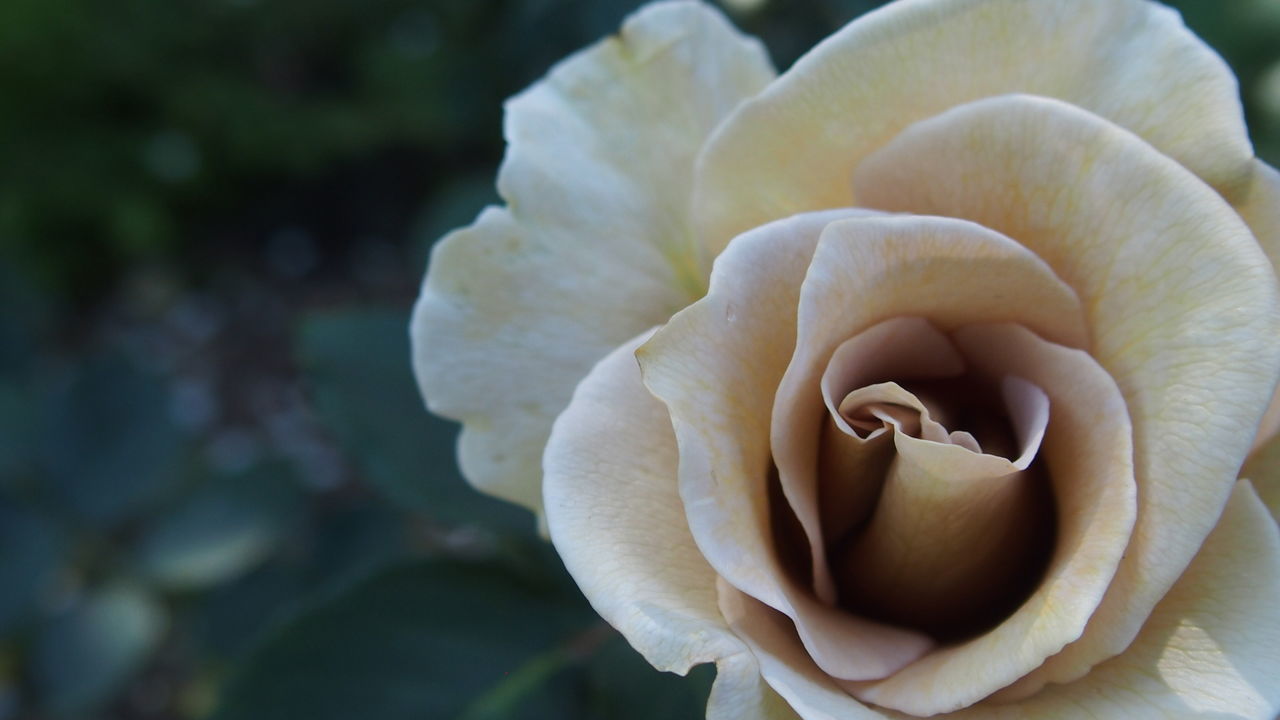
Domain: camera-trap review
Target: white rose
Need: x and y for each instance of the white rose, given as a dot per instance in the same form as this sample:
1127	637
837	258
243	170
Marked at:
954	425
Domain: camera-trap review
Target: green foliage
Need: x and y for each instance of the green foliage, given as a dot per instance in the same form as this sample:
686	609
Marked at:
456	639
110	449
357	365
31	552
84	655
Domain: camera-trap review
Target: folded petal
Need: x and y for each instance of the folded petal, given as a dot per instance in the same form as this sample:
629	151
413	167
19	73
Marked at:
615	517
1260	208
866	270
740	693
1211	648
1180	300
1086	456
595	243
713	365
792	148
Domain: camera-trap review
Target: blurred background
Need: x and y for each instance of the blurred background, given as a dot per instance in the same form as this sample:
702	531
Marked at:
220	496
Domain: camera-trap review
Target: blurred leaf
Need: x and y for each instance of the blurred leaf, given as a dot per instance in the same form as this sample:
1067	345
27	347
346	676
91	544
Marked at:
84	656
110	447
228	620
351	542
357	365
15	432
417	641
340	548
31	551
213	536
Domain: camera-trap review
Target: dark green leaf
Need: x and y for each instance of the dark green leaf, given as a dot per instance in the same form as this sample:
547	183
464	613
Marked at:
418	641
110	448
31	551
82	657
211	537
357	365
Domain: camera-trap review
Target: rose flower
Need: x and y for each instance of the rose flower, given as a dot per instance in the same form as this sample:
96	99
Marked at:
916	380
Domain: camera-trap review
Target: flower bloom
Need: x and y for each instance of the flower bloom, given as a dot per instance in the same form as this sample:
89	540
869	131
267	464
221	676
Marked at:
916	380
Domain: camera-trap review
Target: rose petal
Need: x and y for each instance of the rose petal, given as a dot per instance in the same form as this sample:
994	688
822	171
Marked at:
1087	455
908	346
869	269
791	148
713	365
1211	648
1180	299
615	517
784	663
1261	210
740	693
595	243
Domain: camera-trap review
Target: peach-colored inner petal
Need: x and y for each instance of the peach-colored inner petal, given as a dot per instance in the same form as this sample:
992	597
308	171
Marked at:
705	365
957	537
872	269
1084	460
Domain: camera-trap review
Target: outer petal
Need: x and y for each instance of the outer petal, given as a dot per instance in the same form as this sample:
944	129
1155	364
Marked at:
740	693
791	148
594	245
1211	649
1261	210
1181	301
615	518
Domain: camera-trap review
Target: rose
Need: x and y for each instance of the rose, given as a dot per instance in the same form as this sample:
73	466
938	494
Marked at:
1050	324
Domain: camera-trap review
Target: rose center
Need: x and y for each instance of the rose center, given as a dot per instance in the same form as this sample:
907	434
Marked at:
935	514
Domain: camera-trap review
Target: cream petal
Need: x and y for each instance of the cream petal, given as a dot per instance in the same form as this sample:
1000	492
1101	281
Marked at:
708	364
1211	648
1261	211
615	517
866	270
1260	208
849	468
595	243
1087	455
740	693
791	148
1180	300
784	663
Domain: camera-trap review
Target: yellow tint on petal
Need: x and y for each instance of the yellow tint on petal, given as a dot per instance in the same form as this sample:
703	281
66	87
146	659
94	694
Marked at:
715	365
614	514
595	243
792	148
867	270
1180	300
